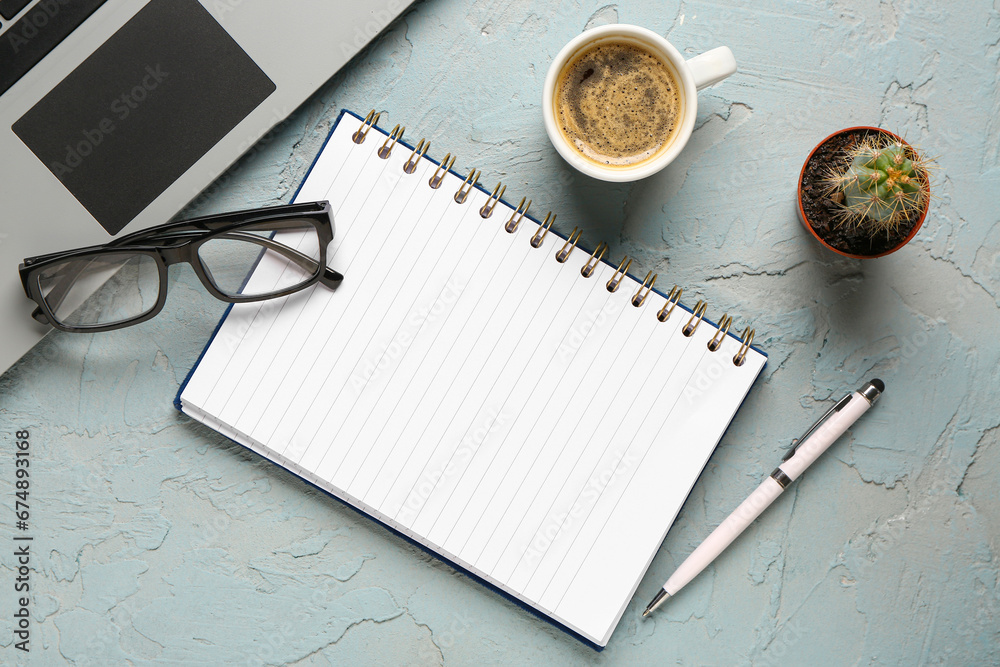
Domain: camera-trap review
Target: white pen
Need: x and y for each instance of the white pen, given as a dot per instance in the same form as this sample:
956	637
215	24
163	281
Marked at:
804	451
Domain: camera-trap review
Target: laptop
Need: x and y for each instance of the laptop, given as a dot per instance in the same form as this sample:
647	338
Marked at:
114	114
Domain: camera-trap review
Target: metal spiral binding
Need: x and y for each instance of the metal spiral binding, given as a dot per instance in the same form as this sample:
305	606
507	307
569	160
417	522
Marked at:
370	121
515	218
467	185
567	248
394	136
595	259
720	334
640	297
438	176
419	150
672	300
747	341
696	317
620	272
539	236
487	208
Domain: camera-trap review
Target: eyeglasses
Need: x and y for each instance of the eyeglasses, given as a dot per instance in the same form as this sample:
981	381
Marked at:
240	257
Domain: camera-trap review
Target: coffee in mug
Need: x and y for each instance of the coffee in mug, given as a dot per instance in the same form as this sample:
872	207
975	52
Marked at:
618	103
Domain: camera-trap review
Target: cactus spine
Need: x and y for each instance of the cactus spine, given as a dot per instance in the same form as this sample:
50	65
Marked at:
884	181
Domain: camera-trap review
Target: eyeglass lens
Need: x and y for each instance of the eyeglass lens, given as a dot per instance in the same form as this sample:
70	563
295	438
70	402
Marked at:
255	261
97	290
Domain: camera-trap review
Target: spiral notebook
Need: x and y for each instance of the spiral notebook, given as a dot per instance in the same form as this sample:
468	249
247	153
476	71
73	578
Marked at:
496	393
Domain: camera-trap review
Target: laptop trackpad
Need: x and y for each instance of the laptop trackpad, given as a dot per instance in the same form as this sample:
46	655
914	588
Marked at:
143	108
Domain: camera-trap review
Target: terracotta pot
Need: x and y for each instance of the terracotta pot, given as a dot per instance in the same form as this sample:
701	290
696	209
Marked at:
809	227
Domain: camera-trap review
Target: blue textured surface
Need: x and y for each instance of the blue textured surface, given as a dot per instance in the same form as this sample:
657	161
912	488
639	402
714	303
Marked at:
158	541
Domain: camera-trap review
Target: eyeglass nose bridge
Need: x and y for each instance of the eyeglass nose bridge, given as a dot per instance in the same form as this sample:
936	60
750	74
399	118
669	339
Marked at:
176	254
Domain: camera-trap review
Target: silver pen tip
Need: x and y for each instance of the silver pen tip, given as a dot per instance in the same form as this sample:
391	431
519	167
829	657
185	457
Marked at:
657	601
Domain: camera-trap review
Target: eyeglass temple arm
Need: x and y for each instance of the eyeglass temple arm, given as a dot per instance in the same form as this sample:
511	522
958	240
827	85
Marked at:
329	277
194	228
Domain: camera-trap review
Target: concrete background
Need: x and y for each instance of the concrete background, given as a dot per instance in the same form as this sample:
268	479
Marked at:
158	542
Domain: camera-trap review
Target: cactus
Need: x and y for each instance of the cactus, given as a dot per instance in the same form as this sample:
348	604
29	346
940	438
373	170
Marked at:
884	181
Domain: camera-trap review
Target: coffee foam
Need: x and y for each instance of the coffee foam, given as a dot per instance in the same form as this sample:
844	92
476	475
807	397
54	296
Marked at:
617	103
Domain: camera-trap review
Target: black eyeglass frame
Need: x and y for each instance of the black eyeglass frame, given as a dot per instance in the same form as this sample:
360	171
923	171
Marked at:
178	242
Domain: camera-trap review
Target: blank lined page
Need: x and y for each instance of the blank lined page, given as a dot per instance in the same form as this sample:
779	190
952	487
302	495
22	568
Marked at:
471	391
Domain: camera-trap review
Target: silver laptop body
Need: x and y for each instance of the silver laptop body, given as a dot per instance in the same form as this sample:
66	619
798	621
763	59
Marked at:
135	106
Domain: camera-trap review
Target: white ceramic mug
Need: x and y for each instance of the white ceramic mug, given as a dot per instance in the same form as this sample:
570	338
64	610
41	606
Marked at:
692	75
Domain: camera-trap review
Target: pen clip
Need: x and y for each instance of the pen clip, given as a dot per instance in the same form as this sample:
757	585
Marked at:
792	448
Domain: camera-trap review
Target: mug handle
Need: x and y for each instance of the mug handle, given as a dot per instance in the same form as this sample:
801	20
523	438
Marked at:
712	66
